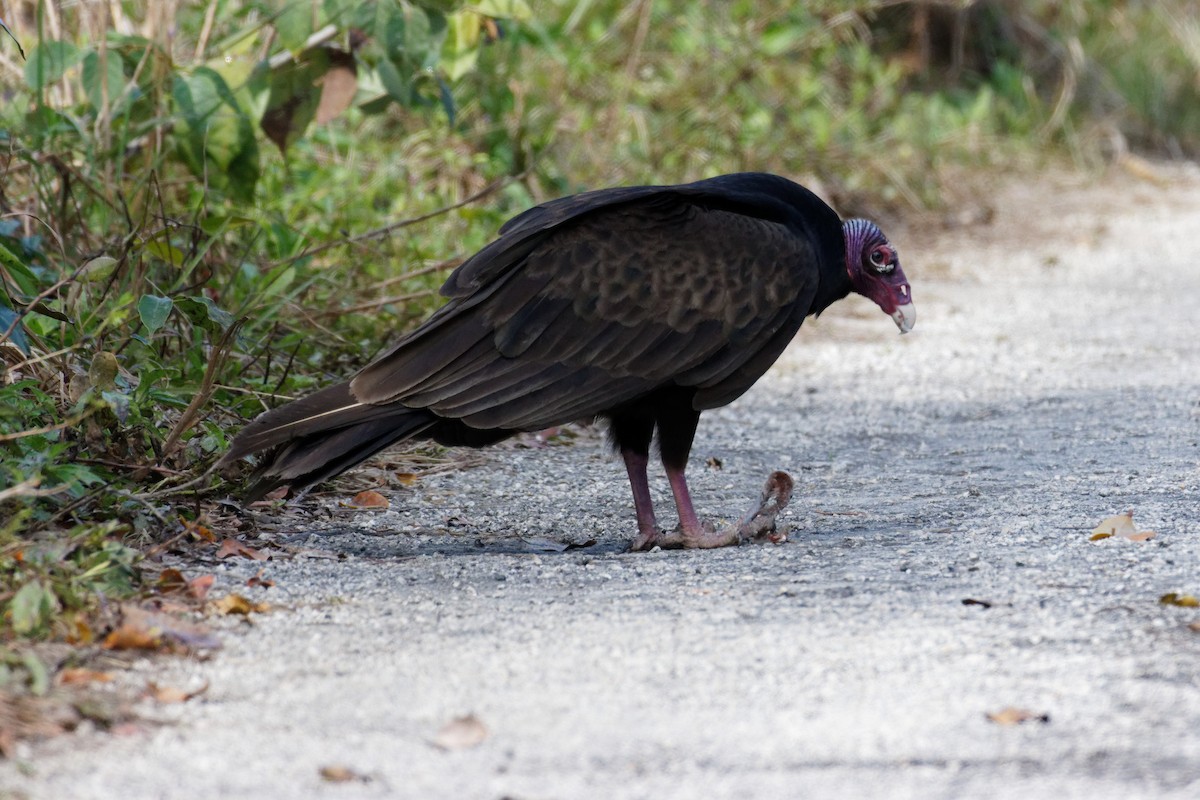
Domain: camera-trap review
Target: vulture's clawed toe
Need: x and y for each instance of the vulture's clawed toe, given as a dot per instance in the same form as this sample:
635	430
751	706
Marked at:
756	526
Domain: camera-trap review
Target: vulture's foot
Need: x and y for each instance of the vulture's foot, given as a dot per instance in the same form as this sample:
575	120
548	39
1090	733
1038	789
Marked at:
647	540
757	525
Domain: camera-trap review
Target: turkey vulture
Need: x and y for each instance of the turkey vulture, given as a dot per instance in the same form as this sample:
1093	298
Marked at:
640	305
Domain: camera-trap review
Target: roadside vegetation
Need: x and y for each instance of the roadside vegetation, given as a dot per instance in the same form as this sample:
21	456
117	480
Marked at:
207	208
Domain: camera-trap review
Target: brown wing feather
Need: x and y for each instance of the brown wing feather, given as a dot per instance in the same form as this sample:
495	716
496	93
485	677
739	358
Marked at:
594	313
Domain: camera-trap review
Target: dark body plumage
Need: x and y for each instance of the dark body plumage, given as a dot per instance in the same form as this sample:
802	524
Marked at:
642	305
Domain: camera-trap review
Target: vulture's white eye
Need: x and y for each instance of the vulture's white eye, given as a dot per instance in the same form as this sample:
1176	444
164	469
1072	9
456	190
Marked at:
883	259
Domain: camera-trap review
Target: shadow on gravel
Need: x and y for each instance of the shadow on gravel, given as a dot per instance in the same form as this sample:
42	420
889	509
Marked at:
392	545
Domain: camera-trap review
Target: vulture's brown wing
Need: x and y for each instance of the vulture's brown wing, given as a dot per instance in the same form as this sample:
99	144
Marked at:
574	313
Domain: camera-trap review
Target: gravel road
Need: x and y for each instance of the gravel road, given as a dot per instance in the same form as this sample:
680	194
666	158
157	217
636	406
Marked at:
1053	379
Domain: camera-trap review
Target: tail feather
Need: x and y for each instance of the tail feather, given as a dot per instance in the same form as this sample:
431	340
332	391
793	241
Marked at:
319	456
319	436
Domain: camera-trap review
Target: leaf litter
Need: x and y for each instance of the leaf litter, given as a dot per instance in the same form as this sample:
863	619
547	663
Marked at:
1011	715
460	733
1120	526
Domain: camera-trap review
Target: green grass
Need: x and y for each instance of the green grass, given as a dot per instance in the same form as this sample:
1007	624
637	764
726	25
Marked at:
166	272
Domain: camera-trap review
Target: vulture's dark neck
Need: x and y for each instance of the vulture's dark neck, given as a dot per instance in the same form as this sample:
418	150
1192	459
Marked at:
835	281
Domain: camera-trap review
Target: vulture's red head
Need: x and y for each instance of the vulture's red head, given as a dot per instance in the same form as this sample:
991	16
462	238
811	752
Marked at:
874	267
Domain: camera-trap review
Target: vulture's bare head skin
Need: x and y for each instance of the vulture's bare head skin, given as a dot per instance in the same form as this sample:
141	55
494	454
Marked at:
874	267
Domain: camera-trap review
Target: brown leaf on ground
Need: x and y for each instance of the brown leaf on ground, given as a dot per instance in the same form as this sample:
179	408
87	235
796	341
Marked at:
1176	599
1015	716
258	580
460	733
170	580
133	636
236	604
1194	626
232	547
199	531
1120	525
198	587
367	499
141	629
79	675
406	478
170	694
339	773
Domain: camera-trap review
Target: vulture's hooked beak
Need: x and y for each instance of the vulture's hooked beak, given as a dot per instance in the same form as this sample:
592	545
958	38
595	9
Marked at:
905	317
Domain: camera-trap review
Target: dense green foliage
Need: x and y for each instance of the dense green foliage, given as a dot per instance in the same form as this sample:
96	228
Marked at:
207	207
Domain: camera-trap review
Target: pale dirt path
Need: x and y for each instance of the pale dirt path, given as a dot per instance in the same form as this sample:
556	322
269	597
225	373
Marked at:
1052	379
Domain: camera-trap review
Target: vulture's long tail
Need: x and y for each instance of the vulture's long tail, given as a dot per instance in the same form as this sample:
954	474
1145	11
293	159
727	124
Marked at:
319	436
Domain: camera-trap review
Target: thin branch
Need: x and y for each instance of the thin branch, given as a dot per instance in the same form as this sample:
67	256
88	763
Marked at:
210	17
383	301
191	414
9	437
379	233
28	488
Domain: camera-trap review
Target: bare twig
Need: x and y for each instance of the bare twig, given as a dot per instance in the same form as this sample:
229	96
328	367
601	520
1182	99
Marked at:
383	301
191	414
67	423
379	233
210	17
29	488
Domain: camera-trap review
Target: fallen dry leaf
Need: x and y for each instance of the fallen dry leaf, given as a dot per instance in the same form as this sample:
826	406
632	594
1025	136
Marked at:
198	587
232	547
1120	525
170	694
406	478
460	733
236	604
141	629
133	636
1194	626
1175	599
367	499
258	580
1016	716
78	675
275	494
199	531
170	580
337	773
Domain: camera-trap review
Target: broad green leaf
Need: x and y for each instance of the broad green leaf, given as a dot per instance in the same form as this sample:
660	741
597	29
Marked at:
413	37
118	402
165	251
98	269
48	62
101	78
294	24
204	313
217	137
294	97
460	53
518	10
17	335
154	311
17	272
31	607
39	676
